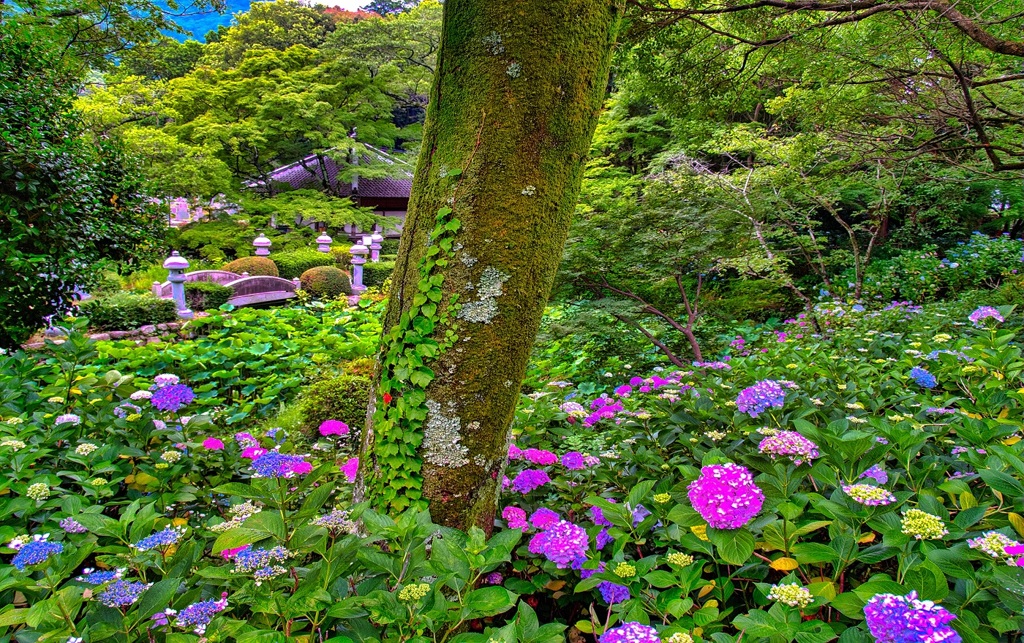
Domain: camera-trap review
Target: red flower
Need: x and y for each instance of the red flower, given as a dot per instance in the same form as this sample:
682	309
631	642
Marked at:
387	398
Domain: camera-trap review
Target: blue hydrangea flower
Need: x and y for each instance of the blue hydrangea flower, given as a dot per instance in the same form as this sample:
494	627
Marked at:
172	397
35	552
122	593
923	378
161	539
273	464
198	615
755	400
93	577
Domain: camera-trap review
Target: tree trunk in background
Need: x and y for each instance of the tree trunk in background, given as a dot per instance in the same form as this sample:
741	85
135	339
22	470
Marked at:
514	104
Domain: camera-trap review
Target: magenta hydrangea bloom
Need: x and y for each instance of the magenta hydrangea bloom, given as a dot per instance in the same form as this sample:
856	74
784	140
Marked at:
252	453
755	400
530	479
544	518
540	457
563	543
515	518
514	452
905	619
350	469
213	444
631	632
789	444
333	427
725	495
573	461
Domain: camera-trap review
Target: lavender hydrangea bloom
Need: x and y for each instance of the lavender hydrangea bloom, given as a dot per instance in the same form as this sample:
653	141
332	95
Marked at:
631	632
922	377
877	474
67	418
172	397
573	461
530	479
602	538
639	514
983	313
563	543
789	444
72	526
612	593
35	552
755	400
725	495
905	619
122	593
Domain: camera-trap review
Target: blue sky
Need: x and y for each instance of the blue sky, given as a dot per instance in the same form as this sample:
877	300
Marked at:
199	25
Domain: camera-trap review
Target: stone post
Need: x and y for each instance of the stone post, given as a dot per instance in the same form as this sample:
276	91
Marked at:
359	252
375	241
157	289
176	266
262	245
323	243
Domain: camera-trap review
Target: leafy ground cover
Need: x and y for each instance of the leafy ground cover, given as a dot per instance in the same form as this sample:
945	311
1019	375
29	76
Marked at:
814	484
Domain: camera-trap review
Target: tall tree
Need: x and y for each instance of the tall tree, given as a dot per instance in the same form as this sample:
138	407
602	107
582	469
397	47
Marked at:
513	107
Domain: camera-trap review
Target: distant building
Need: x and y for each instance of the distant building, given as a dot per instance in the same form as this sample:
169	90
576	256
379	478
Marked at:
389	197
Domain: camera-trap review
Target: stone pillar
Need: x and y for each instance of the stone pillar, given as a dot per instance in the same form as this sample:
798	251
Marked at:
323	243
359	252
375	241
157	289
176	266
262	245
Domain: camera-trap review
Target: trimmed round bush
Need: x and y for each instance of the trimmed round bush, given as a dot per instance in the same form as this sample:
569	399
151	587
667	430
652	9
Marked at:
128	311
375	274
292	264
255	266
206	295
344	398
326	281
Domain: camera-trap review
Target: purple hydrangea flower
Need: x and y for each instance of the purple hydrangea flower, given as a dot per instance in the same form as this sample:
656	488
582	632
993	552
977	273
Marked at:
602	538
515	518
877	474
198	615
172	397
494	578
72	526
544	518
639	514
612	593
922	377
755	400
514	452
563	543
725	495
789	444
530	479
122	593
905	619
540	457
573	461
67	418
161	540
273	464
983	313
34	552
597	515
631	632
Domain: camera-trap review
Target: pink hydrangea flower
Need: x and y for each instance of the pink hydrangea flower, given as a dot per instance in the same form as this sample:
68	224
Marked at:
540	457
350	469
515	517
725	495
213	444
333	427
251	453
229	554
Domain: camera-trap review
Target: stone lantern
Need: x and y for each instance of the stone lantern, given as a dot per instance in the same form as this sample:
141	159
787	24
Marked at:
359	252
176	266
375	241
262	245
323	243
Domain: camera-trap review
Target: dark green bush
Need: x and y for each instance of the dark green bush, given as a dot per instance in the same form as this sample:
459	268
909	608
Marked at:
206	295
375	274
127	311
344	398
293	264
262	266
389	247
326	281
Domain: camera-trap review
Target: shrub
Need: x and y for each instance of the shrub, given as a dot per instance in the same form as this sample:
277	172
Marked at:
341	254
389	247
326	281
261	266
206	295
342	398
293	264
375	274
126	311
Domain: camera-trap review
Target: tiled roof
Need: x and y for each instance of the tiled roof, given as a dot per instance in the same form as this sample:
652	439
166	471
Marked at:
308	174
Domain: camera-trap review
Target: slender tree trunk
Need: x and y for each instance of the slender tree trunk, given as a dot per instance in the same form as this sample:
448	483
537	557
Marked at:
513	107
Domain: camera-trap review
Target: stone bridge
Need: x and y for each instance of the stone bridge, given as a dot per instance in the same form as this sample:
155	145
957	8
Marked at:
248	290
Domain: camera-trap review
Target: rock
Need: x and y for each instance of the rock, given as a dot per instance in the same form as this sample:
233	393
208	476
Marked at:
34	345
161	326
153	340
117	334
173	326
100	337
149	329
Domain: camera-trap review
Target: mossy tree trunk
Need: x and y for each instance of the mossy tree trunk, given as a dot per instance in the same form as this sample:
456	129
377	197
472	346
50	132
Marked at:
512	112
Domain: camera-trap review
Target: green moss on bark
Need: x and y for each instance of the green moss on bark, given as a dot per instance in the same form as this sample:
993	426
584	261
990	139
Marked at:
506	133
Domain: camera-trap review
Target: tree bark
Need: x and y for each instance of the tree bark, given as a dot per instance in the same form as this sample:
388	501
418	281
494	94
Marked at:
513	108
